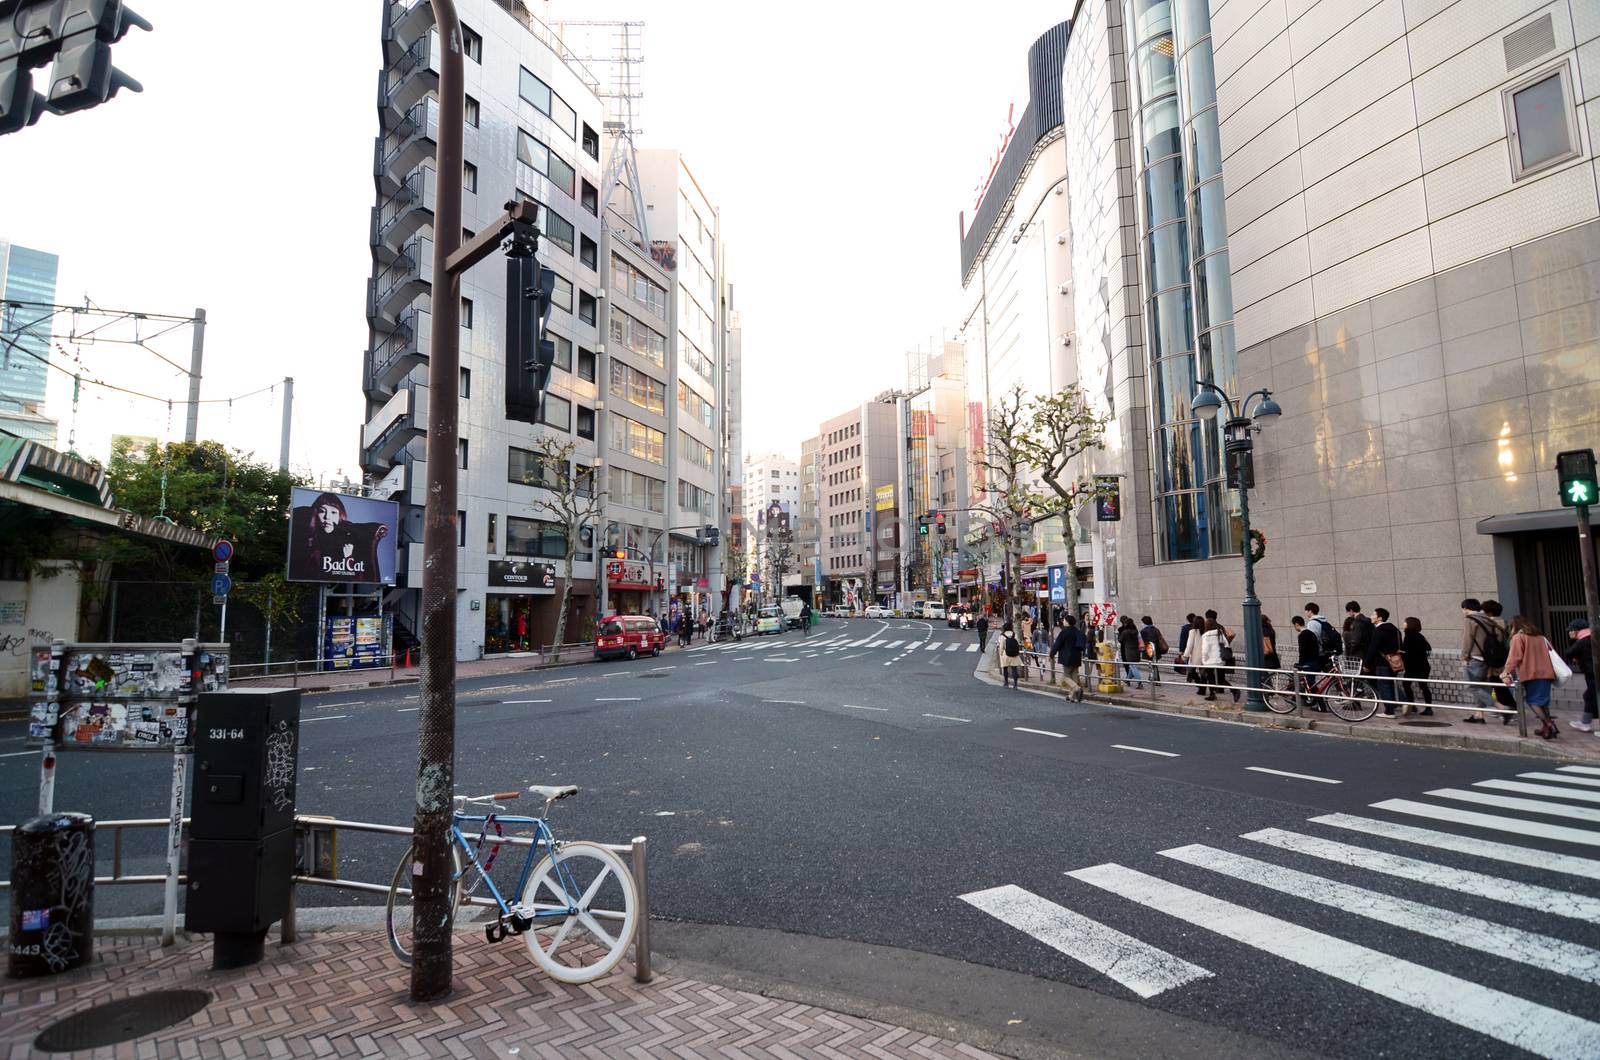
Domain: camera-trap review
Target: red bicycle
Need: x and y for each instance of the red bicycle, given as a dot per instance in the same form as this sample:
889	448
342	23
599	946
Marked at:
1342	690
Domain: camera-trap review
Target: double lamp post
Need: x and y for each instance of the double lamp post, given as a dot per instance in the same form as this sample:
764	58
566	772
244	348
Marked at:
1238	458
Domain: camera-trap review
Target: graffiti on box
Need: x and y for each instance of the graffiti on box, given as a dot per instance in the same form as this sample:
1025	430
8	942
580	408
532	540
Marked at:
112	696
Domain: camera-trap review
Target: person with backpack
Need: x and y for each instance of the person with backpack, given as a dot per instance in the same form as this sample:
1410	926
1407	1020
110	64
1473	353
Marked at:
1068	649
1483	649
1329	641
1528	661
1357	634
1502	694
1580	657
1010	657
1155	647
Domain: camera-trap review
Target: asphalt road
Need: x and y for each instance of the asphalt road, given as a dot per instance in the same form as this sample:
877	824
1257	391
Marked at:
859	784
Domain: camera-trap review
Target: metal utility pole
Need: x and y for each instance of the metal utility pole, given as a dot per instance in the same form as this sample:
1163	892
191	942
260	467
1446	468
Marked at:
288	408
191	430
432	866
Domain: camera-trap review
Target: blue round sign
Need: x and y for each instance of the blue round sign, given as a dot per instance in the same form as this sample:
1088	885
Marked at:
222	551
220	584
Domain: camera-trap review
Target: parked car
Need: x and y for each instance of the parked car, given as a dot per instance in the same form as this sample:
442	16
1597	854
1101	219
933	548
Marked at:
841	611
875	611
628	636
769	620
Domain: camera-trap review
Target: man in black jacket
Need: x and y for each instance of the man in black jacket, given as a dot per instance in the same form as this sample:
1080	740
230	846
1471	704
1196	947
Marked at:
1068	650
1384	642
1357	633
983	633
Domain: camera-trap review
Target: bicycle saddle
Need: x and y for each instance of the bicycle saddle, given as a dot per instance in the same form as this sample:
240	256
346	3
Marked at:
552	792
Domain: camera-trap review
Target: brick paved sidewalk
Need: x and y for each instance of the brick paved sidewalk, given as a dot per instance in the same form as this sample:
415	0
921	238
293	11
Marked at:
343	994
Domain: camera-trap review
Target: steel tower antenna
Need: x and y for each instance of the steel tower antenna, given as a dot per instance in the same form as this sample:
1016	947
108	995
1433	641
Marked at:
616	48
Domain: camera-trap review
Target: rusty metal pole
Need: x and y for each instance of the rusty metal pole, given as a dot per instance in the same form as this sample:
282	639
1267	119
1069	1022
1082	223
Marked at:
431	865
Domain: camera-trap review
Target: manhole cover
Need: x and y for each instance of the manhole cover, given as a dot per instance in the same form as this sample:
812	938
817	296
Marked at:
121	1021
1427	724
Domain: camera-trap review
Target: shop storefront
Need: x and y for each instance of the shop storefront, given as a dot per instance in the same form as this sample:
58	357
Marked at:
520	606
631	586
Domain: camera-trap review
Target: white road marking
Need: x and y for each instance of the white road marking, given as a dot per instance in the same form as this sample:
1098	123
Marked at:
1537	829
1140	967
1504	1017
617	699
1145	750
1506	802
1548	899
1589	770
1040	732
654	669
796	702
708	662
1562	777
513	701
780	658
856	655
1295	776
931	646
1574	794
408	710
894	644
1525	947
19	754
1569	864
325	717
972	647
946	717
853	706
336	706
555	681
953	646
875	644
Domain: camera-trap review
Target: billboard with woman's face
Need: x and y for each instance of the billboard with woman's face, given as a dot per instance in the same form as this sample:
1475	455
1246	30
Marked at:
335	537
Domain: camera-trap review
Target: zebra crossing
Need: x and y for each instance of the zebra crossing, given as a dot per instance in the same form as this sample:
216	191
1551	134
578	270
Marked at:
814	646
1383	853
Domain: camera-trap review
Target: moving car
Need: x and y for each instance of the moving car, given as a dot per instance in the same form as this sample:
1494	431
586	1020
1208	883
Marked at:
875	611
769	620
953	617
628	636
933	610
841	611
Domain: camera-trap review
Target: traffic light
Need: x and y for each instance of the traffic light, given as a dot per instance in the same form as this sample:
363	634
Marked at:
713	535
922	525
530	296
1575	468
939	519
76	36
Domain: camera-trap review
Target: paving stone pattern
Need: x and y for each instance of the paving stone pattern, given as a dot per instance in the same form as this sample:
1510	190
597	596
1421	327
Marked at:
342	994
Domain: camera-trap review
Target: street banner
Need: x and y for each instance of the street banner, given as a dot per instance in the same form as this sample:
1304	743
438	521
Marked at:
883	498
340	538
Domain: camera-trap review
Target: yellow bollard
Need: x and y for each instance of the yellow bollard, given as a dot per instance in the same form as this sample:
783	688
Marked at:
1108	668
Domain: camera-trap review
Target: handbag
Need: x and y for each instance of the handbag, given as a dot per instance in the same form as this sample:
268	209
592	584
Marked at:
1559	665
1396	661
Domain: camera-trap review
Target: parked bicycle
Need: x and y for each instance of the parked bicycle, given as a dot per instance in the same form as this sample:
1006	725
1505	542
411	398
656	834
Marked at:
1347	695
560	899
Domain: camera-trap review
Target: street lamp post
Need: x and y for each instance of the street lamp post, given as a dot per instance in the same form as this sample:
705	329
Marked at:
1209	400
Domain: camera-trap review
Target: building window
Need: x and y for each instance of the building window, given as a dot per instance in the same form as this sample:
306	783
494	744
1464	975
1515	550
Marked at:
562	296
591	198
466	382
461	529
549	104
585	423
643	390
583	480
536	537
493	520
536	155
696	452
1542	121
529	468
696	407
471	43
461	453
636	439
591	142
469	177
586	307
585	364
472	115
638	491
563	359
466	316
629	280
640	339
557	412
588	252
554	227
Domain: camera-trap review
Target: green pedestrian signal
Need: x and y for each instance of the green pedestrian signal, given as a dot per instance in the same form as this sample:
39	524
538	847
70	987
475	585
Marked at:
1575	468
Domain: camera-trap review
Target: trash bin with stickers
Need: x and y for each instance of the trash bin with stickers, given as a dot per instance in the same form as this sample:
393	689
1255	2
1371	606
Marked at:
52	895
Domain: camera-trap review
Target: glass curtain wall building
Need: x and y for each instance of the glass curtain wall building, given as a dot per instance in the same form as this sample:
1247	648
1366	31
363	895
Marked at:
1184	247
25	276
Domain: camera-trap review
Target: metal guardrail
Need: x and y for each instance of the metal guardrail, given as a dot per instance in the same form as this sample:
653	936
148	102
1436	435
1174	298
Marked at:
295	669
306	829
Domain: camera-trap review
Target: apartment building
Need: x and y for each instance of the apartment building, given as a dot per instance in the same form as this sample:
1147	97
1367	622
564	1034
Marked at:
858	475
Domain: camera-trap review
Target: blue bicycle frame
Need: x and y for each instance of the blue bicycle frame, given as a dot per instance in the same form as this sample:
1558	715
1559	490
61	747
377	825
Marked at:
543	838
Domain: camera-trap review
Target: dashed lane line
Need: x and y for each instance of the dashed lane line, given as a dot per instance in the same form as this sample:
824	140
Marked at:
617	699
517	701
796	702
708	662
1292	776
408	710
1145	750
946	717
18	754
1040	732
854	706
325	717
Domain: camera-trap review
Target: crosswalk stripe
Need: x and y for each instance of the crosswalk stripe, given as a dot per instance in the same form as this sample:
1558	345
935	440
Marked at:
972	647
1488	820
1140	967
1562	777
858	643
1567	864
1506	802
1574	794
875	644
1548	899
894	644
953	647
1504	1017
1589	770
1526	947
931	646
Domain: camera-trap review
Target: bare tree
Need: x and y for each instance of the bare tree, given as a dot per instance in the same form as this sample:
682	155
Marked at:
1056	430
571	501
1007	498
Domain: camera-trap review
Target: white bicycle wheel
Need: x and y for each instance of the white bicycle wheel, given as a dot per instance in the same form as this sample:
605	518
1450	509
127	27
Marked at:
588	943
398	915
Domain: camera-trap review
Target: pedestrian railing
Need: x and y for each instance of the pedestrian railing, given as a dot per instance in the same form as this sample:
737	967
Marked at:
317	865
294	669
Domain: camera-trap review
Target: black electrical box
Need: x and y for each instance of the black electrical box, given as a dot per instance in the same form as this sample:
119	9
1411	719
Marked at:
239	885
246	753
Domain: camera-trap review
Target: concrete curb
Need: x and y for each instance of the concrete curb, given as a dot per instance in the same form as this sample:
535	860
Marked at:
984	672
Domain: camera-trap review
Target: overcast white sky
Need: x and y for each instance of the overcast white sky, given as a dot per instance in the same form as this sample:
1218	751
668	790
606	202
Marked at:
839	139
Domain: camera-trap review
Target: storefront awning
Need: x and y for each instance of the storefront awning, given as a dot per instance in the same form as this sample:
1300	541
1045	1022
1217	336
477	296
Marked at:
1528	522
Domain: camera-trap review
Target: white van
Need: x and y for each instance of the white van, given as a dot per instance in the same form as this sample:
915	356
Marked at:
933	610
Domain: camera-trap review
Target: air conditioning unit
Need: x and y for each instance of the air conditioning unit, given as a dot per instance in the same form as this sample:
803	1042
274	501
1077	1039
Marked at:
601	293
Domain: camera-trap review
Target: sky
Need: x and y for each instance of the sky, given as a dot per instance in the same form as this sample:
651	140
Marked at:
839	140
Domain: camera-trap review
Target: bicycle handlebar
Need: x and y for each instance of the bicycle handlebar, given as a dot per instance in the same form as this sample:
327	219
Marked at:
496	797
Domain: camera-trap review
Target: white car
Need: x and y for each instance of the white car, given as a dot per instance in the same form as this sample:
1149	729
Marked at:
769	620
874	611
841	612
933	611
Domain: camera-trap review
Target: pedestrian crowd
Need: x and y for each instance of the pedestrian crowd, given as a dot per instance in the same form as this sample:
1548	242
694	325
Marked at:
1498	654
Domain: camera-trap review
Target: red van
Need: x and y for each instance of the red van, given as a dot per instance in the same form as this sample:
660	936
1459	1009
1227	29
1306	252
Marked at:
628	636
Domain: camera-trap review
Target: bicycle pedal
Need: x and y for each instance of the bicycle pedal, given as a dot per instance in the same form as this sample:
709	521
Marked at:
519	924
489	932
